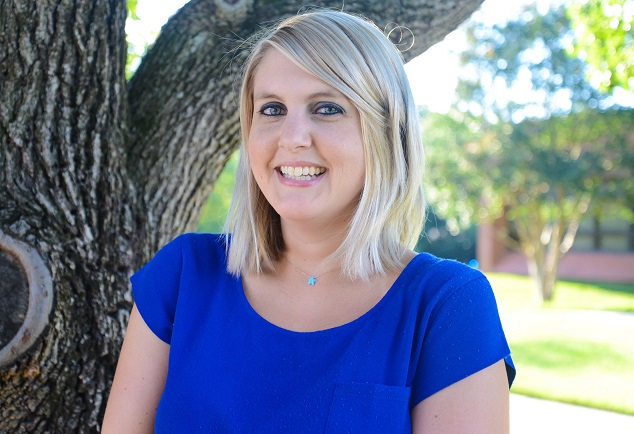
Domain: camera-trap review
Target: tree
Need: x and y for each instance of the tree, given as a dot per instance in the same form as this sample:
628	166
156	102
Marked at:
541	159
543	176
605	40
522	70
96	174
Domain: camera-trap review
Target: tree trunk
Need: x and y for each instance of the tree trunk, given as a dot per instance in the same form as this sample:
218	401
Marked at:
61	140
536	271
542	256
96	175
545	242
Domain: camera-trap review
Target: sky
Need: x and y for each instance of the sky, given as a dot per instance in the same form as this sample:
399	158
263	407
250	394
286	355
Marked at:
433	75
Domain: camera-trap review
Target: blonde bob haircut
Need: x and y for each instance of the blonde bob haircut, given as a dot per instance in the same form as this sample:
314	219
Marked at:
353	56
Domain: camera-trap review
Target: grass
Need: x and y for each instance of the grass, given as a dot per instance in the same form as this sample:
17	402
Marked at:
578	348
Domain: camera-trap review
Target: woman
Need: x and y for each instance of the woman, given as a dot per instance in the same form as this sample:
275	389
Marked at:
315	315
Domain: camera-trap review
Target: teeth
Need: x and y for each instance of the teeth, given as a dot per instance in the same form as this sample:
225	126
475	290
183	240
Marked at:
301	173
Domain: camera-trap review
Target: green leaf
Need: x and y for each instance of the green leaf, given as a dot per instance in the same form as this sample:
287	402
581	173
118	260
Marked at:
132	4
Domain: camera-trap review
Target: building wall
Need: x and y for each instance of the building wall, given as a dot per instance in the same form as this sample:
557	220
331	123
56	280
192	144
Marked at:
612	262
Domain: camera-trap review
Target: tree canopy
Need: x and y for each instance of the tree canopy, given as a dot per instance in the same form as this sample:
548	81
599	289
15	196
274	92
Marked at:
605	40
530	140
521	69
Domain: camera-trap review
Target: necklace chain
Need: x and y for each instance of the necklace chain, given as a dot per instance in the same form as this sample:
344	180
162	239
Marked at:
312	279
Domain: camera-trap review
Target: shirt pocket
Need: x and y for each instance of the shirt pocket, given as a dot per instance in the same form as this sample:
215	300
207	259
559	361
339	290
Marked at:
369	408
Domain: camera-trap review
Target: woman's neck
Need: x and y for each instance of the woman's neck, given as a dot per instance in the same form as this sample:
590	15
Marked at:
308	248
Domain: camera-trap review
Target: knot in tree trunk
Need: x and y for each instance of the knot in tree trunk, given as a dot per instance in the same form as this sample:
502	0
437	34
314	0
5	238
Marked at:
26	298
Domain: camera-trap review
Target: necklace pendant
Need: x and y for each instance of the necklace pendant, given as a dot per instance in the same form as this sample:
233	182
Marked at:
312	280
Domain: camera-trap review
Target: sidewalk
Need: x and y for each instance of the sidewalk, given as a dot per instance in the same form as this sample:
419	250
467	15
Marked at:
537	416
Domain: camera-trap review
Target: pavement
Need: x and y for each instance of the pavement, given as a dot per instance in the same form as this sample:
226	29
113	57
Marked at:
538	416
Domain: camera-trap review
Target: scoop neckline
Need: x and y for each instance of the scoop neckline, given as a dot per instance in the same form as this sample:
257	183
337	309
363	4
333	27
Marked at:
362	318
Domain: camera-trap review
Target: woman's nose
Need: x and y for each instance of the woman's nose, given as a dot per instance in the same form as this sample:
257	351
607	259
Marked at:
295	132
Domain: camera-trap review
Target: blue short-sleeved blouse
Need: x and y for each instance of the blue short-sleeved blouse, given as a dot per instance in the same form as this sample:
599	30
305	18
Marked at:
231	371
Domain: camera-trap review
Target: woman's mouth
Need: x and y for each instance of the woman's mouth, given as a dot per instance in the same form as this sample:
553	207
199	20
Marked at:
303	173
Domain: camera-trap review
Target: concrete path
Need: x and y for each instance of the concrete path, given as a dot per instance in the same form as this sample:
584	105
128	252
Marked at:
537	416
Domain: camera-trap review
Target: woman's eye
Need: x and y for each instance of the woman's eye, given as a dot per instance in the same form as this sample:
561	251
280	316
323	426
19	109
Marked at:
272	110
329	109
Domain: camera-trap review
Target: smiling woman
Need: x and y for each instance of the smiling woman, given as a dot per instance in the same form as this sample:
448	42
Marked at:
312	313
368	100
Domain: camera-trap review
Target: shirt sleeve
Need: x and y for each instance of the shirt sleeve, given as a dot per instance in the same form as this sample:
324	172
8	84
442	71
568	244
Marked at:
156	286
463	336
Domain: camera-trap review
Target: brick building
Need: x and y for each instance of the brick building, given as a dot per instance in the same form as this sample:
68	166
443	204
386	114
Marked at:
603	251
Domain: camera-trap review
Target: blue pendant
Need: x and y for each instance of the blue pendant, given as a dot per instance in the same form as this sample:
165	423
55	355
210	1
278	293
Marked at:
312	280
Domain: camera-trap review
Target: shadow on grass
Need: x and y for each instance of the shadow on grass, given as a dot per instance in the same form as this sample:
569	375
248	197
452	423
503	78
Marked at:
565	355
621	288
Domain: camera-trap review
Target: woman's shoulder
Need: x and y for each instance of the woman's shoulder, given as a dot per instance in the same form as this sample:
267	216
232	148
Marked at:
198	250
202	243
179	271
203	249
203	238
443	270
430	280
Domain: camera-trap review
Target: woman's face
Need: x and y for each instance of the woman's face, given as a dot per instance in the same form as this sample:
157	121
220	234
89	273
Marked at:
305	144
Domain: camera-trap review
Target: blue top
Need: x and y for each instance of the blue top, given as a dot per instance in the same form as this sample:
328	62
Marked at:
230	370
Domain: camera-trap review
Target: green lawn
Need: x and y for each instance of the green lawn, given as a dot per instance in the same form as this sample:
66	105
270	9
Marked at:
579	348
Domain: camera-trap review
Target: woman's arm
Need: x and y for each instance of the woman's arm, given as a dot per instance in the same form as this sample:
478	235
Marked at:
138	382
476	404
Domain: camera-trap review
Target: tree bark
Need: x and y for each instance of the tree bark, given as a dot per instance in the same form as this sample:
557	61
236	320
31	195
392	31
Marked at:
96	175
61	140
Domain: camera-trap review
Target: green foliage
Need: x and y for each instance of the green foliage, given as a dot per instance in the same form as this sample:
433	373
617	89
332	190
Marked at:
538	166
215	211
605	40
132	4
522	70
585	153
463	158
484	163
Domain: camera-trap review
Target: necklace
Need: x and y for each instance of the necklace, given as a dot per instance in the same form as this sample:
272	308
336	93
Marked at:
312	278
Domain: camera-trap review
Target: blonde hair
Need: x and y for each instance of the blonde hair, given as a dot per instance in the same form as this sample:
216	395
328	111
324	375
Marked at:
353	56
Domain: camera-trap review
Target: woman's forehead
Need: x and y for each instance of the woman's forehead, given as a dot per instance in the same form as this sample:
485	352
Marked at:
277	74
